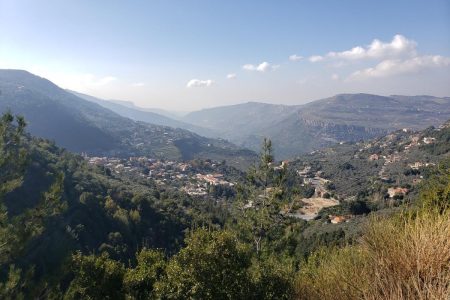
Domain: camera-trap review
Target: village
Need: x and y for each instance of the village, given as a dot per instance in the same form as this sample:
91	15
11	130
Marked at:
183	175
309	208
197	181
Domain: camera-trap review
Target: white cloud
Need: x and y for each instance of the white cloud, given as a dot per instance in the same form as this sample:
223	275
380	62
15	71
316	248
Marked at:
398	47
262	67
335	77
138	84
199	83
295	57
391	67
231	76
315	58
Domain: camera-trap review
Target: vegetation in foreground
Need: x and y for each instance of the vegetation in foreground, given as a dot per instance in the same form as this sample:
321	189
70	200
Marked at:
100	224
406	256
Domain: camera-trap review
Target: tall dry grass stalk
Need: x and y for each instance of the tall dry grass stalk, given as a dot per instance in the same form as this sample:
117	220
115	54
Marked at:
408	257
404	257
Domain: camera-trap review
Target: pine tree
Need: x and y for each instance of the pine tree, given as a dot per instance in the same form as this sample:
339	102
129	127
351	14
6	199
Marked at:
260	198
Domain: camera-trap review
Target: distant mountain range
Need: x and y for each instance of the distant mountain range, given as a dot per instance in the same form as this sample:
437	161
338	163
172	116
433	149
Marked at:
152	116
84	126
84	123
296	129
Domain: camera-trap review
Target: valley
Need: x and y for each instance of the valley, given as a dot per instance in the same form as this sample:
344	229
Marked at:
300	129
224	150
83	126
125	185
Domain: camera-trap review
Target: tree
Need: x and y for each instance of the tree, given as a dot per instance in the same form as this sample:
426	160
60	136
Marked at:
13	155
139	282
96	277
213	265
15	284
272	279
259	199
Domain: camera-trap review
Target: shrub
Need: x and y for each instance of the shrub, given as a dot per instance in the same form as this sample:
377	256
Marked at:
404	257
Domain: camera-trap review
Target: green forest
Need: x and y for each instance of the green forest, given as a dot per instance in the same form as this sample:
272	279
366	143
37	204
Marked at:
70	230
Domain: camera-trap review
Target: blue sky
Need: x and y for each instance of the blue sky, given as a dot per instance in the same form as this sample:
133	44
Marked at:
186	55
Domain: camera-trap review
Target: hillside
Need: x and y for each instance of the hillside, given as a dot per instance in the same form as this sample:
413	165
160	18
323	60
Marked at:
76	229
302	128
83	126
54	203
376	174
129	110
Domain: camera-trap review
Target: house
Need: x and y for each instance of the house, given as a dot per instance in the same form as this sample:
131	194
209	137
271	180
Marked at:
337	219
416	165
374	157
428	140
305	171
397	191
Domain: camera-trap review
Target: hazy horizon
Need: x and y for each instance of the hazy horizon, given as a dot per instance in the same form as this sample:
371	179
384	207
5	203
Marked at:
186	56
183	112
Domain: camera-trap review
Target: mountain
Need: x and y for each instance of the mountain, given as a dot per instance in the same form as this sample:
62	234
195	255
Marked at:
129	110
83	126
167	113
298	129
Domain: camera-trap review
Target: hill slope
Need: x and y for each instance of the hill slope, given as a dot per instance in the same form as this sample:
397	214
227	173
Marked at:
129	110
83	126
302	128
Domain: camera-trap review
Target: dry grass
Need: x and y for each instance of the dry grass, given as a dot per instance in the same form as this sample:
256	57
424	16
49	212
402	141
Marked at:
406	257
331	274
409	257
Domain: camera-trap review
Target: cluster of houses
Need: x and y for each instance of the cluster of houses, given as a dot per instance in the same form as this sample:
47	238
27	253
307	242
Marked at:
414	141
314	179
213	179
180	174
417	165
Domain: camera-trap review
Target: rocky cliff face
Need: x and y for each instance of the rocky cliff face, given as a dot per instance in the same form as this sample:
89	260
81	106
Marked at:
331	131
302	128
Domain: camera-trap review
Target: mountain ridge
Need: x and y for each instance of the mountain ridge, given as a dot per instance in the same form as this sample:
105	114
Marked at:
83	126
303	128
129	110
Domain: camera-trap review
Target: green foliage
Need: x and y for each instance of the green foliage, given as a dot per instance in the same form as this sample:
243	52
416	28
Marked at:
16	283
259	200
139	282
442	142
96	277
13	156
435	193
272	279
213	265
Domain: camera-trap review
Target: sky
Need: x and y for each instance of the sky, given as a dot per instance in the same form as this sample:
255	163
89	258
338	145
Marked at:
190	54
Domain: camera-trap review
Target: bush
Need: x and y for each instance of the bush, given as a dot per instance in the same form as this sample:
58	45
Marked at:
405	257
96	277
213	265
